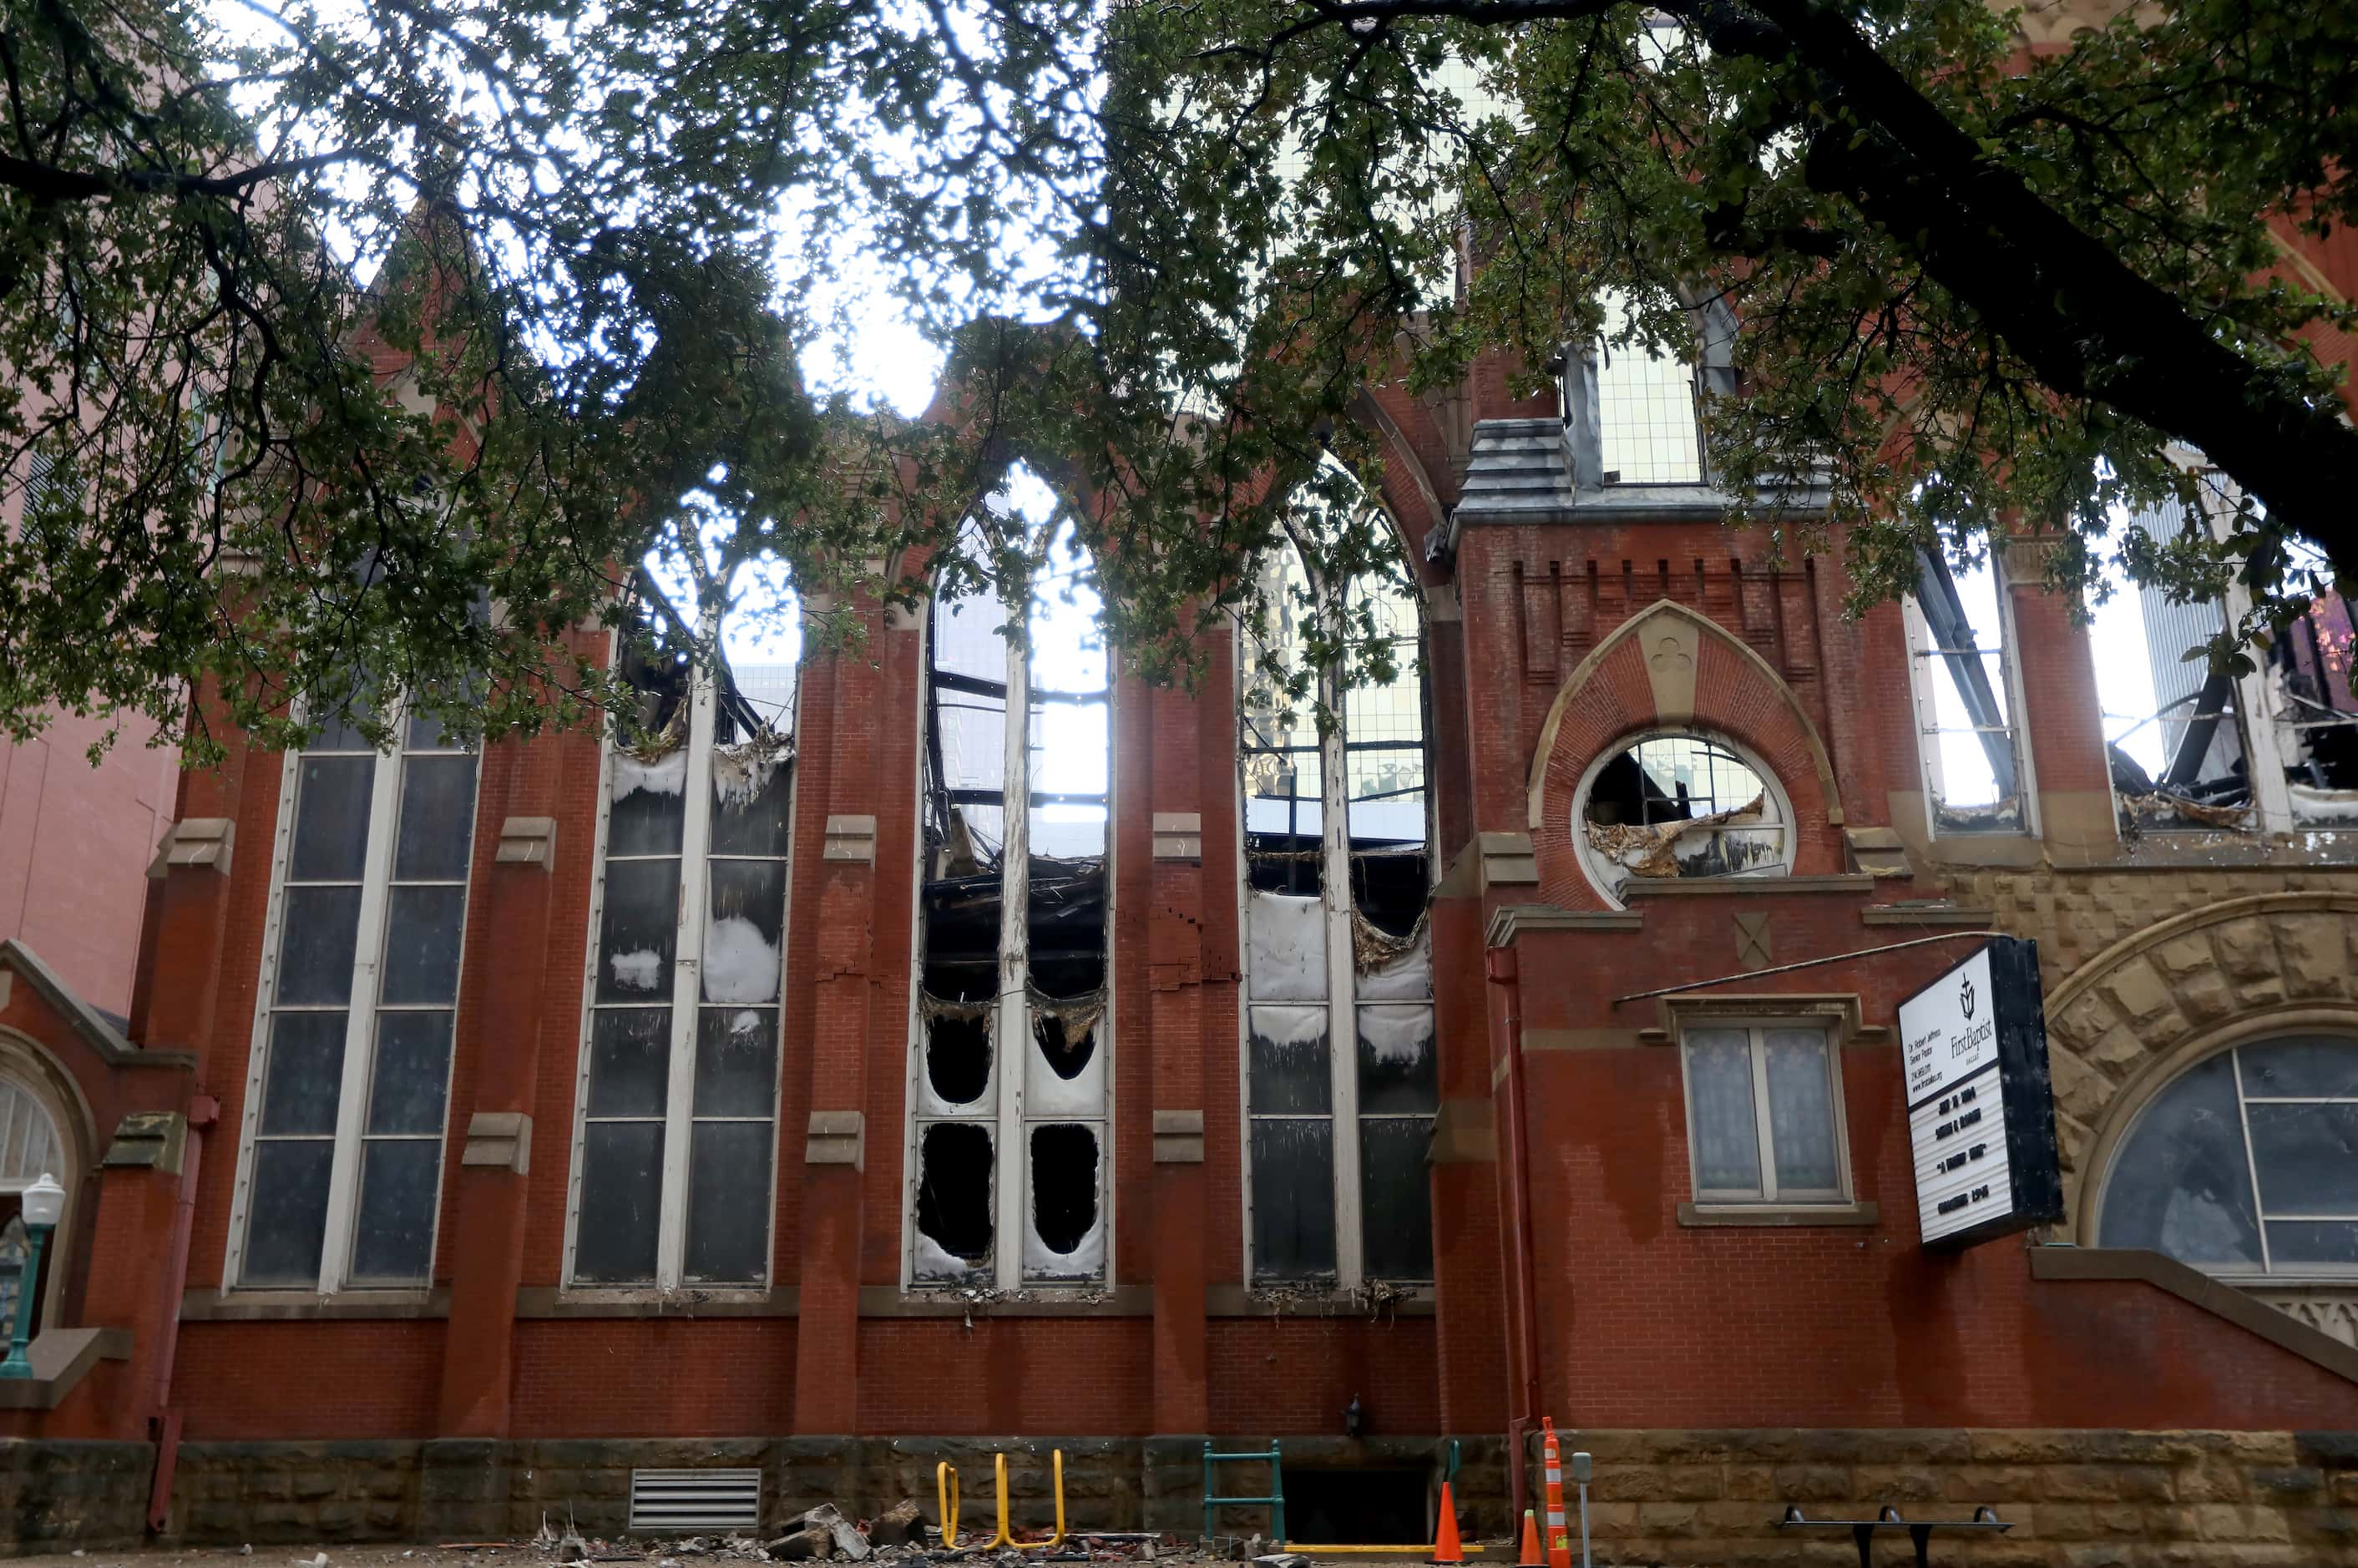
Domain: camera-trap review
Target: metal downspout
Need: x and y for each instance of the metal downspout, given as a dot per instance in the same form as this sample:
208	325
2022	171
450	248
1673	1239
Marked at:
1503	972
163	1422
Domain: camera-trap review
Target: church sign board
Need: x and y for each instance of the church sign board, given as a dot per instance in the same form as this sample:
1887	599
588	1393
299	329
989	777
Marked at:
1981	1109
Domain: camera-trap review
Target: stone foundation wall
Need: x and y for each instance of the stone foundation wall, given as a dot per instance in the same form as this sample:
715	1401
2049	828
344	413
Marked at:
1709	1499
56	1496
2075	1499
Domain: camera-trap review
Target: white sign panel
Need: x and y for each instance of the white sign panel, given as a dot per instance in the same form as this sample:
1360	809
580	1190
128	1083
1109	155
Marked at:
1959	1137
1949	1031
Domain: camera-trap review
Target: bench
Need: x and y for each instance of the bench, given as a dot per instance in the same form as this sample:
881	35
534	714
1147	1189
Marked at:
1919	1530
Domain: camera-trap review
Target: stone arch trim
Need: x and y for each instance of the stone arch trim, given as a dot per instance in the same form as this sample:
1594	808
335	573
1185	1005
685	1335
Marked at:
2132	1017
1668	666
1673	688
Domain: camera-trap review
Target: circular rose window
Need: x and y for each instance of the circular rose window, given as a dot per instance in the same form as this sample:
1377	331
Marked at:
1676	806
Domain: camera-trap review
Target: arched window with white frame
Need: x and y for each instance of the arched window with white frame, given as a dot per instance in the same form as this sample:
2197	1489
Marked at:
1340	1069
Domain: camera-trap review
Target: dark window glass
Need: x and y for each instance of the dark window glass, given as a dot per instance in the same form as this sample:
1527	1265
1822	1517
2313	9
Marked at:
287	1216
305	1074
1399	1067
422	928
315	954
622	1197
1396	1196
2181	1184
393	1240
2307	1158
629	1061
331	819
749	813
743	931
413	1070
736	1061
728	1201
437	818
650	804
1292	1198
639	931
1288	1070
2309	1069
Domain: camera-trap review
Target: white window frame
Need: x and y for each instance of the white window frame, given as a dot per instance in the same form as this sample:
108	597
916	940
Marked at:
1757	1029
686	1001
363	1011
1342	1003
1010	1120
1924	705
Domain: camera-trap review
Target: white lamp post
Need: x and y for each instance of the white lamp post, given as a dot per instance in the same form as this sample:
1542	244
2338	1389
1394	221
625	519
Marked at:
44	1204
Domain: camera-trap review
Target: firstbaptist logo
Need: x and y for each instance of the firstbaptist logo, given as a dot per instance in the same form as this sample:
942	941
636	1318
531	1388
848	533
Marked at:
1965	997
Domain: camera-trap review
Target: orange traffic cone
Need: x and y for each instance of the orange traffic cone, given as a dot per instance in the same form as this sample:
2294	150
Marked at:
1532	1556
1558	1543
1446	1546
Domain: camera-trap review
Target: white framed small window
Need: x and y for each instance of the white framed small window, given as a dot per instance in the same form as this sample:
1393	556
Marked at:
674	1142
1764	1114
1678	804
339	1175
1968	700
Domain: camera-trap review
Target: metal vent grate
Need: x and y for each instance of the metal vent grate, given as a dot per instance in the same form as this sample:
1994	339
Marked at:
696	1499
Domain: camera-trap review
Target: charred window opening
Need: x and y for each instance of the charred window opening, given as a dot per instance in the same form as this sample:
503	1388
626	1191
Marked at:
677	1127
954	1184
2174	735
1960	640
1679	805
1012	940
1341	1083
2310	687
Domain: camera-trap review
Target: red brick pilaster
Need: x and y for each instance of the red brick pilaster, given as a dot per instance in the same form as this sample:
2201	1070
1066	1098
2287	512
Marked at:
506	1010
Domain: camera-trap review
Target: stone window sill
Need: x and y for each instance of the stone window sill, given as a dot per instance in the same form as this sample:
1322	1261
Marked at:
1706	1215
279	1307
585	1301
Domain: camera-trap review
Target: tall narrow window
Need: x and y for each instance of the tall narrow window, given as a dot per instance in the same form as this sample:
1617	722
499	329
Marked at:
678	1103
1960	642
1010	1070
348	1099
1646	417
1338	950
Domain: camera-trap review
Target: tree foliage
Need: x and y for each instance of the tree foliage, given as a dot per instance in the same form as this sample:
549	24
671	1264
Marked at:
1165	247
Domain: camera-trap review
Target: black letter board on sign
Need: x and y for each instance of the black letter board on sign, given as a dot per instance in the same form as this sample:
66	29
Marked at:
1981	1109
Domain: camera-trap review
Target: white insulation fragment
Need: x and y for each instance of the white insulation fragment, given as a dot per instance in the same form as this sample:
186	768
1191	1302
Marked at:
1408	977
930	1262
641	970
1287	936
2310	803
1288	1025
739	965
667	774
741	774
1399	1036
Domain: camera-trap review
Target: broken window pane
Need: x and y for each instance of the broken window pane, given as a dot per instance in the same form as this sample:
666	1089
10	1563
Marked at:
315	963
421	942
1964	703
621	1199
639	931
1292	1197
1286	1067
1681	806
1383	727
954	1199
305	1074
1396	1190
1646	421
286	1215
331	817
437	818
1067	1239
393	1240
751	785
649	804
411	1074
957	1055
2308	679
629	1061
728	1201
1721	1121
736	1061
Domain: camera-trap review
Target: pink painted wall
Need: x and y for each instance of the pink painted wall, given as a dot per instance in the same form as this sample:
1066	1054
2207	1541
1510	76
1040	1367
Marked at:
74	846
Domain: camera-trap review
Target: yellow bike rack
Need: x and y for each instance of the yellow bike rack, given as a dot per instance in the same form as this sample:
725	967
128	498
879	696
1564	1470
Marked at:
946	1493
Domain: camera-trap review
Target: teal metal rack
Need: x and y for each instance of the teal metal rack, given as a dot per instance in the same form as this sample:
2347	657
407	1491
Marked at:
1275	1500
